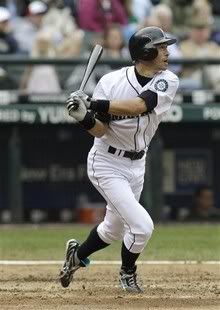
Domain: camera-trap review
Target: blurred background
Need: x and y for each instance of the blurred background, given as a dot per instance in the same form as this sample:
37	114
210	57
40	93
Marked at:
44	46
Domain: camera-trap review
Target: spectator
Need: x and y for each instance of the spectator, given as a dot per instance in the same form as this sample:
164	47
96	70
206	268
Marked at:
165	17
49	18
95	16
141	9
67	38
41	79
27	28
8	44
150	21
199	46
216	14
203	208
72	4
71	45
59	21
16	7
98	14
185	12
114	45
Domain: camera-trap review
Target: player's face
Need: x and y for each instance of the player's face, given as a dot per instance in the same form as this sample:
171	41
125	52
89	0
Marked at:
161	61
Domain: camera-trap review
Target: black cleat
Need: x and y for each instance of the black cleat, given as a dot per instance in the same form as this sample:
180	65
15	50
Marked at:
128	281
71	263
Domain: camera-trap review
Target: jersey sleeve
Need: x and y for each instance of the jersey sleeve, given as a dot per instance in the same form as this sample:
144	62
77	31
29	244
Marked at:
99	93
166	89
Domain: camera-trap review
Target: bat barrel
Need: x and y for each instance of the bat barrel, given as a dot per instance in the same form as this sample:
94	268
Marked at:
92	61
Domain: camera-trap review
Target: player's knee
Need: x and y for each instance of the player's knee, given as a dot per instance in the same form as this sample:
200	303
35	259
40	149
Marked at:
107	234
146	228
143	237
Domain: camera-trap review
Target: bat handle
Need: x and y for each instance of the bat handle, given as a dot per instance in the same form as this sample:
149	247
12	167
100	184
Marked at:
76	105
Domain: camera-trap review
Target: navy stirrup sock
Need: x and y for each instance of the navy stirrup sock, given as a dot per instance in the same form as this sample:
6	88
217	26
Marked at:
128	259
92	244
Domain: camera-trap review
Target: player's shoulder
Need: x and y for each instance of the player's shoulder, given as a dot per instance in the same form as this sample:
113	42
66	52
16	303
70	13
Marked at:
168	75
165	81
113	76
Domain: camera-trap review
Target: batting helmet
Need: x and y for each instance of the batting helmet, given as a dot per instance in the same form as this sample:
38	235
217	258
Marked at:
143	43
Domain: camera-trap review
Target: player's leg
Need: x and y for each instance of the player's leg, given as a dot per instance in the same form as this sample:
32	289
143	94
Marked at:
139	229
102	235
116	189
128	267
77	255
71	262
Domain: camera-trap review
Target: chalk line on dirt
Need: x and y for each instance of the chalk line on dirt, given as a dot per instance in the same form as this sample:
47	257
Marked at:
108	262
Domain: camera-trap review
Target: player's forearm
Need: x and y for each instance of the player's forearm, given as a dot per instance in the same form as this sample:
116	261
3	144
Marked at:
131	107
99	129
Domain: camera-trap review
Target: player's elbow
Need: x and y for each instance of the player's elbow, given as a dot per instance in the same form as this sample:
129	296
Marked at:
99	134
99	129
139	107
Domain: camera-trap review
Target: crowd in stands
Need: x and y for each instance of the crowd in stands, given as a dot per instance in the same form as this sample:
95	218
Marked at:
69	28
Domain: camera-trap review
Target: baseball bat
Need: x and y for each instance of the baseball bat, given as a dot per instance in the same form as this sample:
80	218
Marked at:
90	66
92	61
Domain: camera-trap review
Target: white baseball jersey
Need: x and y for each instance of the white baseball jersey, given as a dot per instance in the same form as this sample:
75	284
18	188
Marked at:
134	133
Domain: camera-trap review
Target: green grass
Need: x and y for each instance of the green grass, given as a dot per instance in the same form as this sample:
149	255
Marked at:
199	242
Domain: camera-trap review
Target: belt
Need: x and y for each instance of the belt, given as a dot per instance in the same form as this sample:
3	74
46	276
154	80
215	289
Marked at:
127	154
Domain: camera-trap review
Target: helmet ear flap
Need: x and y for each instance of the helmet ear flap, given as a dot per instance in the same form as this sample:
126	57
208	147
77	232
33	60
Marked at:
150	53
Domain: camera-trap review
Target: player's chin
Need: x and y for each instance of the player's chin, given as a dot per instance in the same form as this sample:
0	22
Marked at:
164	65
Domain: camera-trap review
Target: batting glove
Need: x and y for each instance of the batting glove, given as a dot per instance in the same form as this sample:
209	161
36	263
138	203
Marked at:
83	96
76	107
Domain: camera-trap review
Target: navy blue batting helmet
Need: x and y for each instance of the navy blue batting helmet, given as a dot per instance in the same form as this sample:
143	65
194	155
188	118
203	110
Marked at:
143	43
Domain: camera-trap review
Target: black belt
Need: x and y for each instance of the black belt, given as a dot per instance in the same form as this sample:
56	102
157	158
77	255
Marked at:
127	154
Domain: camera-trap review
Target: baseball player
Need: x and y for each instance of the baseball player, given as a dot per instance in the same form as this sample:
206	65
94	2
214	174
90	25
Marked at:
123	115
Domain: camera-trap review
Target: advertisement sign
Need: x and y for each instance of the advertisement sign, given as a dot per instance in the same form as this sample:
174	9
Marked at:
192	168
184	169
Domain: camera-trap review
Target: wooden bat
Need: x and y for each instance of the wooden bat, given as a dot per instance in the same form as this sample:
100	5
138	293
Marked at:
92	61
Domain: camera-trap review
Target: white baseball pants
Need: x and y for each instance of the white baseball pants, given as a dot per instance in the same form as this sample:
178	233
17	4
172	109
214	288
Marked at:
120	181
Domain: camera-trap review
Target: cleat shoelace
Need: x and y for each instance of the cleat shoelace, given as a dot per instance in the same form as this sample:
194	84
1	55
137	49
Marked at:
132	281
129	283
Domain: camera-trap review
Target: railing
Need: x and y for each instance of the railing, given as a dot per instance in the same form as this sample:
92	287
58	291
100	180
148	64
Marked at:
23	60
65	67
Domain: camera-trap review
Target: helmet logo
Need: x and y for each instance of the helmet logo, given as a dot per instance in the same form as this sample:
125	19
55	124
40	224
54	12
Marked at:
161	85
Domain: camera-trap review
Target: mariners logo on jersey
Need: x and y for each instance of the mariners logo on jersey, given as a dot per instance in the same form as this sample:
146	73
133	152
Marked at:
161	85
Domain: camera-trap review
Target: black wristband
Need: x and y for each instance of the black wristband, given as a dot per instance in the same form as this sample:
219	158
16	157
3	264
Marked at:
88	122
100	105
